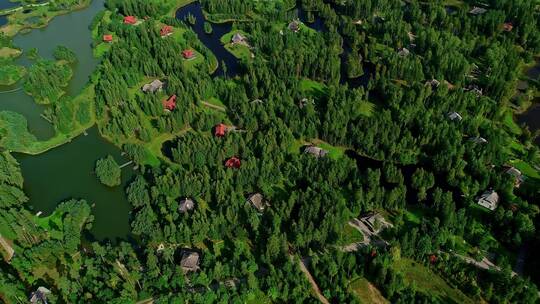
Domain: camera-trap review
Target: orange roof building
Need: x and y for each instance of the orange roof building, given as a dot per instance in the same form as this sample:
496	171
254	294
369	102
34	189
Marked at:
166	30
188	54
220	130
508	27
107	38
130	20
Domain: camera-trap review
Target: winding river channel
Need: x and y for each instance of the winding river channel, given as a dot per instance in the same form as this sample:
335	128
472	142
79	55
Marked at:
211	41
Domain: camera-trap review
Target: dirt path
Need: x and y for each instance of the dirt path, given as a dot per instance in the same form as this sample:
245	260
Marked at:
311	280
484	264
222	109
7	248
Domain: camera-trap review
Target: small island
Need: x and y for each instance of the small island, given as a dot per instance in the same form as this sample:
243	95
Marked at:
108	171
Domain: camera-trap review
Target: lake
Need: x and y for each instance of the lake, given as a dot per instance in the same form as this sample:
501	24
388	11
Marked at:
68	171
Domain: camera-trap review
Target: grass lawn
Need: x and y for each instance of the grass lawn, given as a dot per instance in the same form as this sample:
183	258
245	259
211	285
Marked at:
350	235
101	49
312	87
526	169
6	52
366	292
239	51
415	213
17	138
38	17
429	282
510	123
333	151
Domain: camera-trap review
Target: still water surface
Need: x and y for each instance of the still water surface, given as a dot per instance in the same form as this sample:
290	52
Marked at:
68	171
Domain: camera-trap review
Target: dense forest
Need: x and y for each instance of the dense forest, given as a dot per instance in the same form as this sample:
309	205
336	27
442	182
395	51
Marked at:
409	101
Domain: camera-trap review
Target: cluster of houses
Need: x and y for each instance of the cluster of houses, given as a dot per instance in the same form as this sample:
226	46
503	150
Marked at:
190	258
155	86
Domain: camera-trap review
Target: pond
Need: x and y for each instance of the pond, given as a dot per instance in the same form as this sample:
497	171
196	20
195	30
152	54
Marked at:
4	4
67	171
3	20
531	118
211	41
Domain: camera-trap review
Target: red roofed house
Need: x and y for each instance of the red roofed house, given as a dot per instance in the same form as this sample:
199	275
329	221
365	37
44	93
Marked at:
188	54
166	30
130	20
233	162
220	130
107	38
433	259
508	27
170	104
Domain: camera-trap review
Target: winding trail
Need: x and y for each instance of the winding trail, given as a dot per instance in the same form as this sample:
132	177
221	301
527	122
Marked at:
311	280
222	109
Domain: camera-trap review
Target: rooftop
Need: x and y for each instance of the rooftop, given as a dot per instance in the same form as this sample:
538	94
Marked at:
153	86
315	151
190	260
186	205
257	200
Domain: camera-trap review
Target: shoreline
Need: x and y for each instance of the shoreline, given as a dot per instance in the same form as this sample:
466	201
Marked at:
23	28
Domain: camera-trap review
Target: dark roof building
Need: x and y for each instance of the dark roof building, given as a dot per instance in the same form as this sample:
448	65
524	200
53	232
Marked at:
455	116
489	200
304	102
238	38
404	52
39	296
257	201
153	86
294	26
517	175
190	261
479	140
186	205
477	11
315	151
433	83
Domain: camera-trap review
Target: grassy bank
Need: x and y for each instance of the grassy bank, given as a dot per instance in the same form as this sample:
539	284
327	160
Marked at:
428	282
39	17
17	138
